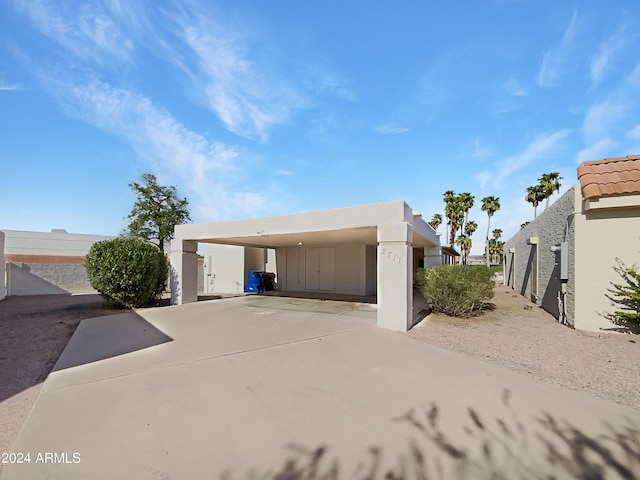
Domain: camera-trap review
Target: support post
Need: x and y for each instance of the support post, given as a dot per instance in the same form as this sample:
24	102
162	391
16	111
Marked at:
184	271
395	286
432	256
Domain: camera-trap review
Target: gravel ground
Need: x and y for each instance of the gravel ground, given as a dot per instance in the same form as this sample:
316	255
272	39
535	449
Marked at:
34	330
532	342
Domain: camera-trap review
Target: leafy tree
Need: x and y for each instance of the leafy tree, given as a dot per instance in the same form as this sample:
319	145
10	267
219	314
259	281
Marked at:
490	205
626	295
534	196
157	211
127	271
436	221
497	233
549	183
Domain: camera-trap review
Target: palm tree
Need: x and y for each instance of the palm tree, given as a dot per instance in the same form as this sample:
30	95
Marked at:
448	198
490	205
550	183
497	233
522	225
457	218
470	228
466	202
436	221
534	195
496	249
453	212
464	243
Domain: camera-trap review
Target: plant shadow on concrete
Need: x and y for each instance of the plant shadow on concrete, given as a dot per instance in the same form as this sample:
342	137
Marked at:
497	449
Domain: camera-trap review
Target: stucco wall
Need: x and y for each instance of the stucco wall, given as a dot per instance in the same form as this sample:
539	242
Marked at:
531	263
602	235
223	269
46	279
41	263
56	243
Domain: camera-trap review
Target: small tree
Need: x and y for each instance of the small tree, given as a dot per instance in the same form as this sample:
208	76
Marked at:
127	271
156	211
627	295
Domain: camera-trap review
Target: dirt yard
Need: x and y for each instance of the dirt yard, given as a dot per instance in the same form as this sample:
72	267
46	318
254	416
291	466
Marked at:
34	331
520	336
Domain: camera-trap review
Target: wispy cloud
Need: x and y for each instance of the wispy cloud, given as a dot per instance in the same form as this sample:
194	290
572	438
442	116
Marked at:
601	116
391	129
248	95
513	88
602	57
634	132
634	77
595	151
9	87
559	59
596	129
543	146
90	32
174	151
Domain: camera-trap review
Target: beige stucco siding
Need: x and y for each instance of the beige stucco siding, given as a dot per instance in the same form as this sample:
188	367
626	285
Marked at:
601	236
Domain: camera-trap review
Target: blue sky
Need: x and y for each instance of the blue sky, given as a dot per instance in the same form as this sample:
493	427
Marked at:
256	108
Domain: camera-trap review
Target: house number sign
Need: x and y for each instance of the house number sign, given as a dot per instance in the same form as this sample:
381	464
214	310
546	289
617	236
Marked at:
390	256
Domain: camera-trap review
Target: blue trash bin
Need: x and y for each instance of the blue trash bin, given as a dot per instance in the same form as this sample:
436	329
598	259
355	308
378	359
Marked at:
255	282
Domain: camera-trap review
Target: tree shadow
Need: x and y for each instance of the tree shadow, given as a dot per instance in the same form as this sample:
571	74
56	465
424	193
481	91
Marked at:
495	448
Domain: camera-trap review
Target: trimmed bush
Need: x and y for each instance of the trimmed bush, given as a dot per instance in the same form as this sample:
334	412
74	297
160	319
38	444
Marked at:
127	271
456	290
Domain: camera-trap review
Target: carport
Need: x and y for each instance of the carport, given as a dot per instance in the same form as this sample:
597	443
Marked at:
358	250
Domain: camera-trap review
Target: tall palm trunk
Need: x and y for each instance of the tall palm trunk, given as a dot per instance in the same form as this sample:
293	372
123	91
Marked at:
486	243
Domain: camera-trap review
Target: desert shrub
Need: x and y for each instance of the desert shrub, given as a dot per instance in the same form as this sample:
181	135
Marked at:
127	271
625	295
456	290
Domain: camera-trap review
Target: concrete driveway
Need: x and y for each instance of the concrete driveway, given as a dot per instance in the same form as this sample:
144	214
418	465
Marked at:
265	385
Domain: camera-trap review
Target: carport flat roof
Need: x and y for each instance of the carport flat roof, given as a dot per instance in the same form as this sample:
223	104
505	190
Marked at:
342	225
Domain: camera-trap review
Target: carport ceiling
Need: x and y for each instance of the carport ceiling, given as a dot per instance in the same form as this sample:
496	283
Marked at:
356	235
360	235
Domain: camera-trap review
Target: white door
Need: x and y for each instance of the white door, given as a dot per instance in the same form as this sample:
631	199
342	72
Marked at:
320	269
312	269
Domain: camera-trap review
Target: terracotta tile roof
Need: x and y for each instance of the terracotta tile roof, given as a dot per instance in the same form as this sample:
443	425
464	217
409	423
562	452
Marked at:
611	176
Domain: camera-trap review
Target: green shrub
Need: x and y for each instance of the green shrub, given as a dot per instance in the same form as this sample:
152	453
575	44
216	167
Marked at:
127	271
456	290
625	295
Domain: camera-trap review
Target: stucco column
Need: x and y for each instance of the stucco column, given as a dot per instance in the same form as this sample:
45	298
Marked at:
184	271
395	288
432	256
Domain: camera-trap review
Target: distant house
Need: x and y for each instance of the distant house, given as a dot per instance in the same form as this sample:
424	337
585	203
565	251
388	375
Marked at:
563	260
